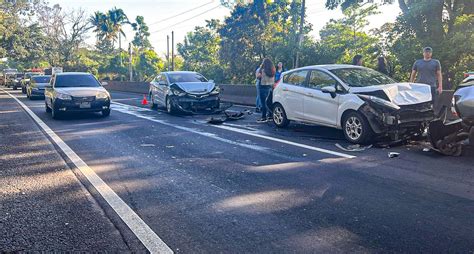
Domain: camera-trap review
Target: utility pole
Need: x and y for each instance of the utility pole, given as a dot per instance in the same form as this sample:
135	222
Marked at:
130	52
168	51
301	35
172	50
120	53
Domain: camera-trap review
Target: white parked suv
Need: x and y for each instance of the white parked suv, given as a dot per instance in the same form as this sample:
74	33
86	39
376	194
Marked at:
362	102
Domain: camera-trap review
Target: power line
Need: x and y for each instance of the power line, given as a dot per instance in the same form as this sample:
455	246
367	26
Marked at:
179	14
195	16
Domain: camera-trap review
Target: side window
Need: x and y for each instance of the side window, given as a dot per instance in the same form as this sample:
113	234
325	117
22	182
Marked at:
319	79
163	79
297	78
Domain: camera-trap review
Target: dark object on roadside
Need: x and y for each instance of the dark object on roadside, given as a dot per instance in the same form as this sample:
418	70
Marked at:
448	138
393	155
229	116
353	148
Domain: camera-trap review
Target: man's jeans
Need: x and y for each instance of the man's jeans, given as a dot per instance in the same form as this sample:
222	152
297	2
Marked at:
258	102
264	92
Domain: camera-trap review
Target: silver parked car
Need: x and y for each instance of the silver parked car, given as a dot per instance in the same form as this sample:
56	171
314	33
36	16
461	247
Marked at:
184	91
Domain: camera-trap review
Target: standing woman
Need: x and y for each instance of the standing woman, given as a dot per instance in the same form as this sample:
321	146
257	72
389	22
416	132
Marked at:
266	83
279	70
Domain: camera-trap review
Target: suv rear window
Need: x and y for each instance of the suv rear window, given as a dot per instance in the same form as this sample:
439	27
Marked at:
41	79
76	81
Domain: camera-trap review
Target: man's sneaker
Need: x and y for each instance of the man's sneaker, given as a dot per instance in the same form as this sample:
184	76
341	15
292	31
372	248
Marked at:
262	120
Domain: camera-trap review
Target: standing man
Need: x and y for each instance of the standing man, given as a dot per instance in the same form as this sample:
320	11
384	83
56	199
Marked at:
428	71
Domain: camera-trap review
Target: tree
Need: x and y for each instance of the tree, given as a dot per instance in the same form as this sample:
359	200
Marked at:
200	51
148	65
141	33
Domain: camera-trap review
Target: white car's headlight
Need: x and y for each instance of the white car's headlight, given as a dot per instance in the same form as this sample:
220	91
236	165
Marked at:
62	96
102	95
384	102
216	90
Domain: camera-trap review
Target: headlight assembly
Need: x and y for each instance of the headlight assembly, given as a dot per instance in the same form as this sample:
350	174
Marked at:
65	97
216	90
380	102
177	92
102	95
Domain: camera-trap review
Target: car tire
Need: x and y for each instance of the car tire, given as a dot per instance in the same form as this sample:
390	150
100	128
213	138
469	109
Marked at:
14	88
356	128
105	113
279	116
152	102
23	90
169	107
54	112
47	108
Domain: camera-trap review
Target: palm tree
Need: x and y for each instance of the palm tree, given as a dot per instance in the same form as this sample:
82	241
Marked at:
116	19
98	21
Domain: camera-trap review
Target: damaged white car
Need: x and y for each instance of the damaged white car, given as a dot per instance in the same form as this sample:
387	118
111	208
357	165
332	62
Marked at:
364	103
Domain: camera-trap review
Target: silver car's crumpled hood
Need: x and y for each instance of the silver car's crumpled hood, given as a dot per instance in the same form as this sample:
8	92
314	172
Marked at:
400	93
80	91
465	101
196	87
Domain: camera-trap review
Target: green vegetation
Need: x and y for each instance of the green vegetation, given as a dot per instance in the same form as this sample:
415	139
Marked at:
32	33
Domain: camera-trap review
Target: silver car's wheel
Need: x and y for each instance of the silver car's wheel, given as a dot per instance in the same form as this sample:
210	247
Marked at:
169	107
356	128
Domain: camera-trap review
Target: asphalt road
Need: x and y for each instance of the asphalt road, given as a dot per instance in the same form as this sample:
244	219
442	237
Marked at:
248	187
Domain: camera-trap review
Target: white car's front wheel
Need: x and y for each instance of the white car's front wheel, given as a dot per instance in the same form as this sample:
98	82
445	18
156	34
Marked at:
356	128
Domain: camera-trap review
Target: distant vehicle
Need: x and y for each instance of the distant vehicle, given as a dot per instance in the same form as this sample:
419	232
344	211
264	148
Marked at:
468	76
53	70
184	91
26	80
6	74
15	81
36	86
364	103
71	92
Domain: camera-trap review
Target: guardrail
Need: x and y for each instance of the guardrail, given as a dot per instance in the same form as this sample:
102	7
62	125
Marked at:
239	94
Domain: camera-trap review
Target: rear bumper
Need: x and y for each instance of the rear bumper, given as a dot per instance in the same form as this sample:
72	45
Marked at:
39	93
75	106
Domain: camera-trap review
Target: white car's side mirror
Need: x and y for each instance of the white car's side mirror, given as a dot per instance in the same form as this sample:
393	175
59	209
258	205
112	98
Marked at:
328	89
103	83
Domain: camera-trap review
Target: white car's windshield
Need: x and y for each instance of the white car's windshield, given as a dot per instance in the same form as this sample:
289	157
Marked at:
361	77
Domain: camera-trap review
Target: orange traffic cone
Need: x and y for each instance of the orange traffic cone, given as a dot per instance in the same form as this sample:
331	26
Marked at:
144	101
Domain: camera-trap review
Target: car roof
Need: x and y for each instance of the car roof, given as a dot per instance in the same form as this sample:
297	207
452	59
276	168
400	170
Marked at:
179	72
330	67
72	73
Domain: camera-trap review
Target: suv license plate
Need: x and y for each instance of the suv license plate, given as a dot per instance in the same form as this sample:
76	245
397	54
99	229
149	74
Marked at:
85	105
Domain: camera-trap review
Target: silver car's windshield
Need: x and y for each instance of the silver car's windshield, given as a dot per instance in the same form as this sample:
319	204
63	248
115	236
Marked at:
361	77
186	77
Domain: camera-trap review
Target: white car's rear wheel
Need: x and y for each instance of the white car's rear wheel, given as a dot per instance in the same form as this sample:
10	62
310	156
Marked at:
279	116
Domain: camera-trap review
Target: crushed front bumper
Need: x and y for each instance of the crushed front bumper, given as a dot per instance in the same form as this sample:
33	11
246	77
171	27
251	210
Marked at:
410	120
196	104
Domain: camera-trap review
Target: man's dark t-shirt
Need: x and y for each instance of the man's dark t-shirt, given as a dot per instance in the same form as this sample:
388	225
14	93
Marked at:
427	71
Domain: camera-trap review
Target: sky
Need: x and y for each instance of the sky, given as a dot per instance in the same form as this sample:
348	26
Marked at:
159	15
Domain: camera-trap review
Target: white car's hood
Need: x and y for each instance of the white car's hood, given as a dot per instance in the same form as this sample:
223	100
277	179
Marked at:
80	91
400	93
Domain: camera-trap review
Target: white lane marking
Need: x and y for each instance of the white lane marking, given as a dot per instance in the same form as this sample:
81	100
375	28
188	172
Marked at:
321	150
136	111
241	131
143	232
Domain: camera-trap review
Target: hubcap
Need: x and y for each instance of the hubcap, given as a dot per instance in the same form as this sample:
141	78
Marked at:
278	115
353	128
